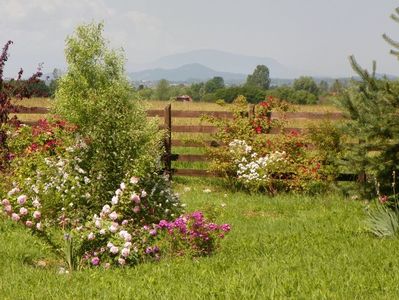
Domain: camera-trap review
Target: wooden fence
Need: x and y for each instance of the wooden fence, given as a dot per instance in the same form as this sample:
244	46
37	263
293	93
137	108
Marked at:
168	115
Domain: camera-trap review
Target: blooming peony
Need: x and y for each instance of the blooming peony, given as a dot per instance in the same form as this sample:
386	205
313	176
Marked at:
113	216
15	217
125	252
37	215
114	250
5	202
106	209
22	199
23	211
95	261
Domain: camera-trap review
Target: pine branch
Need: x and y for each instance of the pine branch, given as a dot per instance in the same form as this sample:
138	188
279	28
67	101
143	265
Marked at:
363	73
390	41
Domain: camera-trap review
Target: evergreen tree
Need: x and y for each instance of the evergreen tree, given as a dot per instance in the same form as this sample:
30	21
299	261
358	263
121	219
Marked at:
372	105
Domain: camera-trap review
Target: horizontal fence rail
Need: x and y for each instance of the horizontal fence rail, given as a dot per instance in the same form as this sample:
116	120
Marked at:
168	114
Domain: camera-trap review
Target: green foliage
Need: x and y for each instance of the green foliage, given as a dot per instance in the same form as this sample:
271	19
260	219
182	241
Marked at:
260	78
162	90
293	96
95	95
252	93
305	83
214	84
372	107
247	158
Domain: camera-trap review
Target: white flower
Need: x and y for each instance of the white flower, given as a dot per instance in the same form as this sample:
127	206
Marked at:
113	228
110	245
134	180
103	231
114	250
207	191
39	226
143	193
91	236
121	261
123	186
115	200
106	209
97	223
118	192
128	245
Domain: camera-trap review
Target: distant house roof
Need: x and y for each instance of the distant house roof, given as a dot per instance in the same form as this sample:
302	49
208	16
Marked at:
184	98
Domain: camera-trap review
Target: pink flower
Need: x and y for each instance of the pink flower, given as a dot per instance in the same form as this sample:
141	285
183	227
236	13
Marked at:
383	199
29	224
136	209
23	211
121	261
113	216
153	232
225	227
15	217
8	209
135	198
125	222
37	215
113	228
125	252
128	245
22	199
5	202
106	209
95	261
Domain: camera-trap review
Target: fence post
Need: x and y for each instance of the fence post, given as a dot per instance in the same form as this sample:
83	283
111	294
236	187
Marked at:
168	141
251	112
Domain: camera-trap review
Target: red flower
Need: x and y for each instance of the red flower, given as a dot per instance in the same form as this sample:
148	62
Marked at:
258	130
383	199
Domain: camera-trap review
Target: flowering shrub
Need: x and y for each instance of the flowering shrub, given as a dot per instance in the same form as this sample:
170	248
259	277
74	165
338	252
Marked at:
192	234
249	158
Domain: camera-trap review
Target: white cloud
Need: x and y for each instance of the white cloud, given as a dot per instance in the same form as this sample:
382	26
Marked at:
41	26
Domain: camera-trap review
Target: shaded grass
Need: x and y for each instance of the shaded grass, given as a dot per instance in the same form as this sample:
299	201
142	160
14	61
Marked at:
289	246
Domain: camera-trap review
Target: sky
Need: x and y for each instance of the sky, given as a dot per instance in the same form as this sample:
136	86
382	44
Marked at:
314	36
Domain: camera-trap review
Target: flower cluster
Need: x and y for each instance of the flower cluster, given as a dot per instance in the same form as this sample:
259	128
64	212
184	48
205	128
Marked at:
252	169
22	209
192	233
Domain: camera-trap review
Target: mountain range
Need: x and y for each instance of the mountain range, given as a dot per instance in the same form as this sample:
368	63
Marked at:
205	64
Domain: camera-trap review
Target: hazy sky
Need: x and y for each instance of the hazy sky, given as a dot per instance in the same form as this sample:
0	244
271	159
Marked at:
315	36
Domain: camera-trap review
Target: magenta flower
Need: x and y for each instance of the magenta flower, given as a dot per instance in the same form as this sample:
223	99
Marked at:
95	261
153	232
225	227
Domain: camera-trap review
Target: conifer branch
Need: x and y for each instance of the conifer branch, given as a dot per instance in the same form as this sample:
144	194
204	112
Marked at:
390	41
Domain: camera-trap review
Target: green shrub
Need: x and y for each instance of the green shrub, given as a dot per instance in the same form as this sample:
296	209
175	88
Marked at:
95	95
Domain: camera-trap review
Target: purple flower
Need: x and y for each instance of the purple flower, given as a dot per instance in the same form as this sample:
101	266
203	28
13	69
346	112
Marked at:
95	261
163	224
22	199
153	232
148	250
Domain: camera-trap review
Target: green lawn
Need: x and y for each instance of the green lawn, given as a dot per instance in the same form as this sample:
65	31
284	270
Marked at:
290	246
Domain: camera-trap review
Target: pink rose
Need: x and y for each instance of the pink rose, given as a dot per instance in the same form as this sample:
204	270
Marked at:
5	202
37	215
29	224
23	211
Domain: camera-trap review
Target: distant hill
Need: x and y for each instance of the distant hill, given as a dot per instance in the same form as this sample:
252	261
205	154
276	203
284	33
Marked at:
187	73
220	60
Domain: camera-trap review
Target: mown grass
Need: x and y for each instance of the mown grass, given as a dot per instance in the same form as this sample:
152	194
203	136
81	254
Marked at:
290	246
